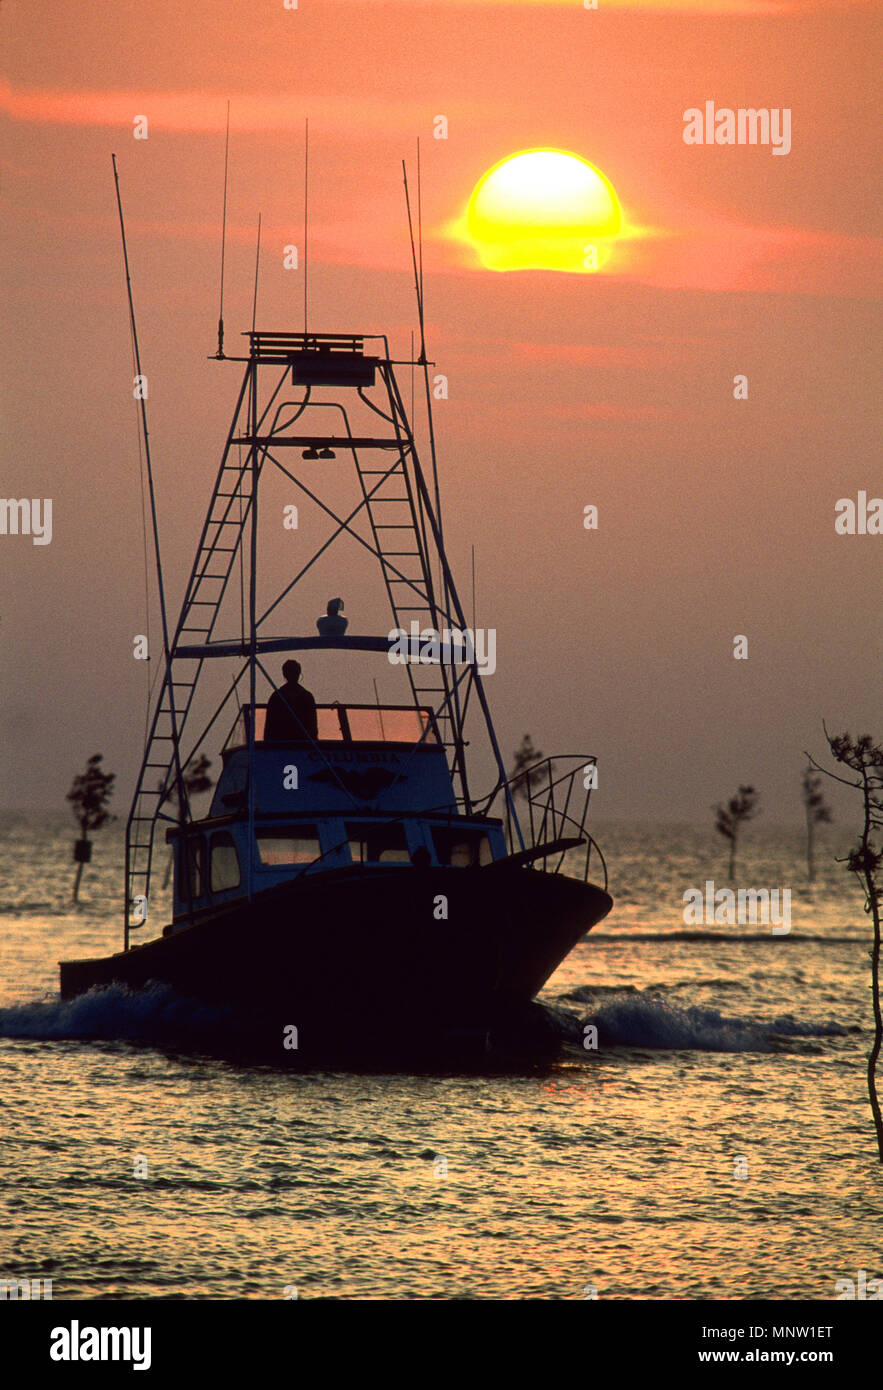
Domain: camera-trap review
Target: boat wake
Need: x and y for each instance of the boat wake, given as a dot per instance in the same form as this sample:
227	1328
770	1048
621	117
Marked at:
643	1020
157	1017
728	938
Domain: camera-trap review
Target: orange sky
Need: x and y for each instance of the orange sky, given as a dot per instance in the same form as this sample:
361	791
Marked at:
615	389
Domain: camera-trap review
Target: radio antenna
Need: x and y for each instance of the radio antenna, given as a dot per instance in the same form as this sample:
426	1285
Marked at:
220	352
420	247
306	210
257	264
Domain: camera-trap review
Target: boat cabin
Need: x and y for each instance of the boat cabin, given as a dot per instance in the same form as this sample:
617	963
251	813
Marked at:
373	789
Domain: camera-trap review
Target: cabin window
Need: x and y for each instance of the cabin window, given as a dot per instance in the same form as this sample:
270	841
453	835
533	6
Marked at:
224	871
290	846
461	849
192	855
378	844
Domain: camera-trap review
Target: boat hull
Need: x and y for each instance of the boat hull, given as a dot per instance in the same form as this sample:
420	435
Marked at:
380	955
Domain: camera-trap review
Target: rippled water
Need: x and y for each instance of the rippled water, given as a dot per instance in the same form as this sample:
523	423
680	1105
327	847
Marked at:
722	1050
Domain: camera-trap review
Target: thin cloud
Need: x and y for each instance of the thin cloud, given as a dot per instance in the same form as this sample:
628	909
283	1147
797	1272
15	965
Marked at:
683	7
203	111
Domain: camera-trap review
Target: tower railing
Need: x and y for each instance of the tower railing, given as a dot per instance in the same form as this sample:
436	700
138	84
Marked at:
557	791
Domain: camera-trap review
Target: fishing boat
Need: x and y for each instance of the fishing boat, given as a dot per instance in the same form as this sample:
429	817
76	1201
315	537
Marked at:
348	887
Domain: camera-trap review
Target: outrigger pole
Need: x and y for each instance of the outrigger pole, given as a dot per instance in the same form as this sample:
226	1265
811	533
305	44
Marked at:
179	779
454	698
436	521
422	360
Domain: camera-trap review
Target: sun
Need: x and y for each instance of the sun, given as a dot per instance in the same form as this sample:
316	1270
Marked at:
543	210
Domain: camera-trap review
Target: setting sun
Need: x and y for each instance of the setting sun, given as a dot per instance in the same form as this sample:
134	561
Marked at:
543	210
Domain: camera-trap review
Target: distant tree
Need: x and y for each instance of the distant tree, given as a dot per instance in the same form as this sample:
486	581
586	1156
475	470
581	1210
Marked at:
865	860
196	780
89	795
196	777
817	813
521	778
739	808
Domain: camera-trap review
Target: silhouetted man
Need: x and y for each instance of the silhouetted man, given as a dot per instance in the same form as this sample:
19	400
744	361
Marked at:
291	710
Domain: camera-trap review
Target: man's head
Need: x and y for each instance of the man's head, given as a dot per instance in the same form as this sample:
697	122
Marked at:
291	672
